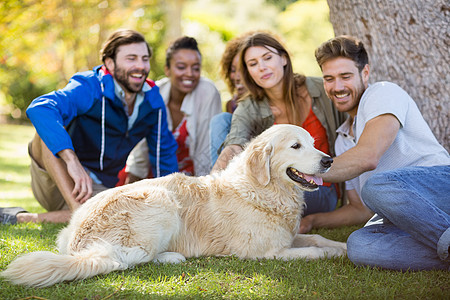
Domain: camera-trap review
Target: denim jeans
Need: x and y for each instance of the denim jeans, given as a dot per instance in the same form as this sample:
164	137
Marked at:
219	127
322	200
414	203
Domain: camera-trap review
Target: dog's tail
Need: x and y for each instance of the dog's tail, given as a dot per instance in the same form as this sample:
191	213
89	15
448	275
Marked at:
44	268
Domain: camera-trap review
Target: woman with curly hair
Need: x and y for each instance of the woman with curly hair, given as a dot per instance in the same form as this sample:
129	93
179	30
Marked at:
229	69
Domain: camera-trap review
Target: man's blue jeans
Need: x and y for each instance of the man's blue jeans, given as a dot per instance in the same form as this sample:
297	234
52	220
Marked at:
414	203
324	199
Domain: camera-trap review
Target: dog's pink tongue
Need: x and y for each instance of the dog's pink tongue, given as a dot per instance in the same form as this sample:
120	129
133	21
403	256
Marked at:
317	180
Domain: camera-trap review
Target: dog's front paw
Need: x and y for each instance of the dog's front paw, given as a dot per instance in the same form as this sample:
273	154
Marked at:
342	246
335	251
169	258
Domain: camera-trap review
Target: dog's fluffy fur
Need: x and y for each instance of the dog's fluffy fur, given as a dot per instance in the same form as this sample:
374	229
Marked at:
251	209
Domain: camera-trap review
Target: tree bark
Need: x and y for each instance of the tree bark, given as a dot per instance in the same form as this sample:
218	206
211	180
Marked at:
408	43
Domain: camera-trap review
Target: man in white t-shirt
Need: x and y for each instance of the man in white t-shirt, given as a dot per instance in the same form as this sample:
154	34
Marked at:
401	171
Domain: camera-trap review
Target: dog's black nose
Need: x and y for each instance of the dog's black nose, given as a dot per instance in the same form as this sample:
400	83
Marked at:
326	161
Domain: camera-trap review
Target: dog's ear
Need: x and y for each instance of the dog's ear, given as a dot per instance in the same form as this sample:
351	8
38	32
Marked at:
258	163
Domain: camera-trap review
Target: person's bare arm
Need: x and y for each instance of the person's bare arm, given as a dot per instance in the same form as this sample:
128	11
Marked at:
378	135
82	189
225	156
353	213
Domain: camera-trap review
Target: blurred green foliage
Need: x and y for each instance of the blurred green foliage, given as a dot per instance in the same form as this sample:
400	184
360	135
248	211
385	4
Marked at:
43	43
305	25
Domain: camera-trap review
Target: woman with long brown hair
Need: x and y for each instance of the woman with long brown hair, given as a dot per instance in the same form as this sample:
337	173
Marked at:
276	95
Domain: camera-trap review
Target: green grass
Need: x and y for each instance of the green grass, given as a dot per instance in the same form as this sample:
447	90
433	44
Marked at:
15	187
197	278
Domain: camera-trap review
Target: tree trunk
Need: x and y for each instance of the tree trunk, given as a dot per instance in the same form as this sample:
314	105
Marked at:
408	43
174	10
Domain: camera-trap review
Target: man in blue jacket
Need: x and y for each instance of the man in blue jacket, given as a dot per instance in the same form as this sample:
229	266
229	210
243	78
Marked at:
86	130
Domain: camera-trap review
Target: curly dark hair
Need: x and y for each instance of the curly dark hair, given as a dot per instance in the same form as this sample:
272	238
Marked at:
231	50
184	42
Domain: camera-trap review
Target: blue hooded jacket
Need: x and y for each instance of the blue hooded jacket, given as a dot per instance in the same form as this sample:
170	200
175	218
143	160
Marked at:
87	117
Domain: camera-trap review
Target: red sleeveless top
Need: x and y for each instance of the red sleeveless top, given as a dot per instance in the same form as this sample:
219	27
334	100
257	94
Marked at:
185	163
319	133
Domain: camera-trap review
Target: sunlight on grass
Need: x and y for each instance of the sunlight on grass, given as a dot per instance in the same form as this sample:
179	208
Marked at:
15	189
196	278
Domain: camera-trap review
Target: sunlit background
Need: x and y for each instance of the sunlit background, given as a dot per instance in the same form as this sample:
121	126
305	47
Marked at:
43	43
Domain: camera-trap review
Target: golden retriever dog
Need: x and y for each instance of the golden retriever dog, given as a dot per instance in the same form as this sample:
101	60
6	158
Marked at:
252	209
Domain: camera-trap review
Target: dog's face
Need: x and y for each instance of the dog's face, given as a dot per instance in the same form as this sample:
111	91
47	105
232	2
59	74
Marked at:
287	151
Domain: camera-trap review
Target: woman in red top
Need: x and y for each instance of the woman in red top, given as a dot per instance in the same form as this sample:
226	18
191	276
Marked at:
277	95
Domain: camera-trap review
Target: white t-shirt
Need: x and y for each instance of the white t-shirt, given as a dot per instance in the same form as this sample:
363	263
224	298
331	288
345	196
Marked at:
415	144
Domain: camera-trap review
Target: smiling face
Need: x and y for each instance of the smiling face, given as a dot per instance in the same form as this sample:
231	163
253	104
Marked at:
265	66
184	70
130	67
344	84
235	76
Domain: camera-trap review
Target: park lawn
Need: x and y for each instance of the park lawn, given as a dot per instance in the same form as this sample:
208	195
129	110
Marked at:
15	187
197	278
